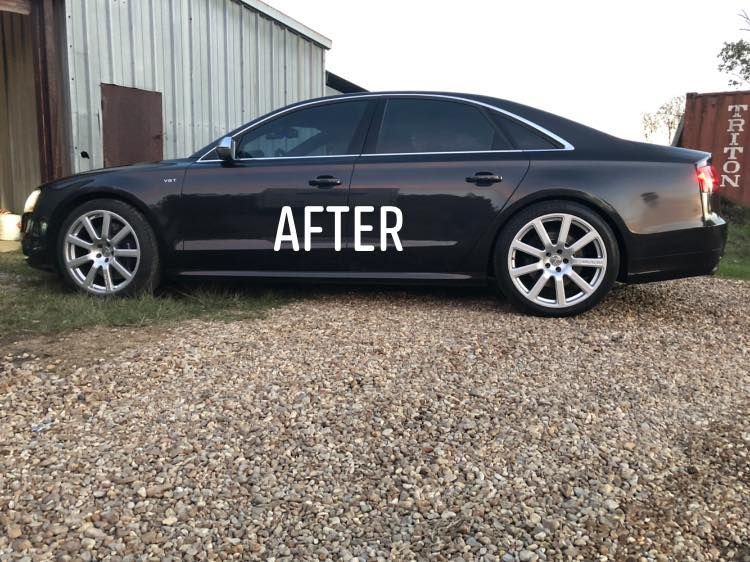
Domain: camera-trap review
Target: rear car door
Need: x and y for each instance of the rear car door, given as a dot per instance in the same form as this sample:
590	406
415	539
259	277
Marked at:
449	168
303	157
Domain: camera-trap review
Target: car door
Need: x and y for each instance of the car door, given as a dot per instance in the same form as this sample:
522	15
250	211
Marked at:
448	167
301	157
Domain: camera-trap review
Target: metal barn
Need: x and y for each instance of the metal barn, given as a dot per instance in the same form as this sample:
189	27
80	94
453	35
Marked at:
92	83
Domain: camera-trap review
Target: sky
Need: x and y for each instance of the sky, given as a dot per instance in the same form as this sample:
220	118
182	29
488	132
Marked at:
600	63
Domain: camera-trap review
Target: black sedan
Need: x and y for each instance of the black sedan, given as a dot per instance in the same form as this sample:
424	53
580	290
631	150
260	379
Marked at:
393	187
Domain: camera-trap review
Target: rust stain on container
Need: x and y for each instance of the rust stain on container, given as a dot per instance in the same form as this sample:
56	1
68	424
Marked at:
719	123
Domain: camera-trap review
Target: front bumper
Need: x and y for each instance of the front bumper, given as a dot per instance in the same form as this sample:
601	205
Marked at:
35	243
676	254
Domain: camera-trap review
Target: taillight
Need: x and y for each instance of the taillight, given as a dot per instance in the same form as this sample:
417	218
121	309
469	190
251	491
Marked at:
707	179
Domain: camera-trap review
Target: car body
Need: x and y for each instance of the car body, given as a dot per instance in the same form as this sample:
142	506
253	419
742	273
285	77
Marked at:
216	213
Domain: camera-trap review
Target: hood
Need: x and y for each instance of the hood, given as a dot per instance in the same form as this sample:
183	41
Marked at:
139	167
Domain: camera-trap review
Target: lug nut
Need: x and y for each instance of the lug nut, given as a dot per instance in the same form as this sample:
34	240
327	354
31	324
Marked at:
559	251
565	260
546	265
558	269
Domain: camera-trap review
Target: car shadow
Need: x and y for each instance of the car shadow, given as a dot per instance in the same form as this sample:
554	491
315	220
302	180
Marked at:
648	299
298	290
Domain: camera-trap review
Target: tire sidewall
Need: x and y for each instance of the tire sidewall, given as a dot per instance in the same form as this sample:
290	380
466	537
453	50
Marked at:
147	276
519	220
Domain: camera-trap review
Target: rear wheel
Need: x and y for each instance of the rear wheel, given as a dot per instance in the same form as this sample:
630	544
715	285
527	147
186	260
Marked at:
106	247
556	258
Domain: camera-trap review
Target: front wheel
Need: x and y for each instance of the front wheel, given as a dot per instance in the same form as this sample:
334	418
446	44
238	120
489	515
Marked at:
556	258
106	247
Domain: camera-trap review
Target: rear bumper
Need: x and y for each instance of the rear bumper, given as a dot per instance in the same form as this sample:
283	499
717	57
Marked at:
676	254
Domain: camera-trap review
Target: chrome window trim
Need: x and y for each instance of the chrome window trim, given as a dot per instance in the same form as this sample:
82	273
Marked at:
281	157
448	152
514	150
565	144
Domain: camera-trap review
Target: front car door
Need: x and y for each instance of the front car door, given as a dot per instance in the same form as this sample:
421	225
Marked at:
300	157
449	168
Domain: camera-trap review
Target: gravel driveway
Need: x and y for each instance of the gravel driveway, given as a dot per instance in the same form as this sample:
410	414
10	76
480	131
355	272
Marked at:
375	425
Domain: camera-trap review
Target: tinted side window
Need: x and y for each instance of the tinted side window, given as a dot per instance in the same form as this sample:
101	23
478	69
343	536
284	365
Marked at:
325	130
522	136
411	125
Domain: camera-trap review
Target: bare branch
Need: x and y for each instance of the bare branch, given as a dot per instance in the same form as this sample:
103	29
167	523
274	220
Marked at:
665	119
743	14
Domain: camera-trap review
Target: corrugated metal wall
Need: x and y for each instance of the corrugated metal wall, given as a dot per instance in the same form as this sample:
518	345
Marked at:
218	64
19	148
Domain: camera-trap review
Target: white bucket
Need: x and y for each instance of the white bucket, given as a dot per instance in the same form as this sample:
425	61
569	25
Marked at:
10	227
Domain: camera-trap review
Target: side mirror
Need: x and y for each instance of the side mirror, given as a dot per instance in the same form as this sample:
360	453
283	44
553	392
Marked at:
226	149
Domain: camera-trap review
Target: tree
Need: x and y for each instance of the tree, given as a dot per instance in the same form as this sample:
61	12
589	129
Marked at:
665	119
735	57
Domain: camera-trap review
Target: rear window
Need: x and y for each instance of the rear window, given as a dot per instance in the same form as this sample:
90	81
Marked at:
420	125
523	136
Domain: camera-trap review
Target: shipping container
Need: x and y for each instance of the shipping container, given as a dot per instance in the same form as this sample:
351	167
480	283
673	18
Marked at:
719	123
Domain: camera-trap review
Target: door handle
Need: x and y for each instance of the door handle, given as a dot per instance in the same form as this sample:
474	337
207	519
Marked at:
324	182
484	178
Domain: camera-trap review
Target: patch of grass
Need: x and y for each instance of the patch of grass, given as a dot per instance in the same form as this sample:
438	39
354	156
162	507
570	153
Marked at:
34	302
736	261
13	264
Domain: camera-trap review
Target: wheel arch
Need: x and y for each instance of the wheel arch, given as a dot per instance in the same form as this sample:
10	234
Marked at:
63	211
597	205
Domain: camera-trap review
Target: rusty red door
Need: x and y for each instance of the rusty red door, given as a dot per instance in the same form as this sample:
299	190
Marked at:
132	125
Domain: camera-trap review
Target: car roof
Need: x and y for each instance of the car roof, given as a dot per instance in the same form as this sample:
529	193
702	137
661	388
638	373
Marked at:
583	138
568	131
572	131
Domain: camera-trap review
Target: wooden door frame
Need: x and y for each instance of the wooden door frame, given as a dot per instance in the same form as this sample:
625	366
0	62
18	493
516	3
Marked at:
48	21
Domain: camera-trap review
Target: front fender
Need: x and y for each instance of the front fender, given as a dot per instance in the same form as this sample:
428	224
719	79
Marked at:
144	189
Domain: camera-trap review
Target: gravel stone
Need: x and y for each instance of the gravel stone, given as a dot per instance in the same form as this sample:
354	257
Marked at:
611	505
14	531
388	424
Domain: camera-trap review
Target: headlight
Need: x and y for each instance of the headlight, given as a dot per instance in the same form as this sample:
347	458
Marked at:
28	207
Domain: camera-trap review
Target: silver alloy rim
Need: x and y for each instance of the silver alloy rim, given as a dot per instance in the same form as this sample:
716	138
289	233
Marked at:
557	260
101	252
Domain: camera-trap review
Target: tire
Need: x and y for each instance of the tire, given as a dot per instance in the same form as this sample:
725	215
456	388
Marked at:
551	278
124	262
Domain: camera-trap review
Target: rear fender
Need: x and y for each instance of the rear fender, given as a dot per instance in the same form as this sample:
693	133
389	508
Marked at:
484	250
